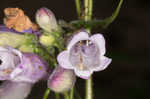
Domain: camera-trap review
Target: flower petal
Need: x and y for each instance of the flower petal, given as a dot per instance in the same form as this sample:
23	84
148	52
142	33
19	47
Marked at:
15	90
104	62
63	60
17	52
85	74
16	72
3	28
9	57
3	49
31	69
78	37
100	41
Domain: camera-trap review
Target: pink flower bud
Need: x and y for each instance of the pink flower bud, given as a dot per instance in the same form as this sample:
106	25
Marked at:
46	19
61	80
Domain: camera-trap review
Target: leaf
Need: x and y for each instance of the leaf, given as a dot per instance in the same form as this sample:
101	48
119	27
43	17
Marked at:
97	23
109	20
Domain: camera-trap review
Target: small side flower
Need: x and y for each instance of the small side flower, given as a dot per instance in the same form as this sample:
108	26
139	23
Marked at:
61	80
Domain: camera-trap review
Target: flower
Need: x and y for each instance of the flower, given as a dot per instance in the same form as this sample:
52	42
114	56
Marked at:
61	80
21	67
21	71
31	69
46	20
16	19
84	54
15	90
9	59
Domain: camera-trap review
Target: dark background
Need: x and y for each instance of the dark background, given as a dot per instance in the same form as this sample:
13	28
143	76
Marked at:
128	44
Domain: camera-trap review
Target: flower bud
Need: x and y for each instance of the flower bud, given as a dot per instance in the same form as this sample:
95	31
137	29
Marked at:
26	48
47	40
61	80
46	19
11	39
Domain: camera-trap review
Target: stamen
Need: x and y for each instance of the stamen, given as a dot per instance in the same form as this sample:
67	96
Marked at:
87	43
81	66
40	67
6	71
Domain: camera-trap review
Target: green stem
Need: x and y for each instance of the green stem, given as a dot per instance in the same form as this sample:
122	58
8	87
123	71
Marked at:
88	4
66	96
57	96
86	9
89	89
90	9
47	92
72	93
78	8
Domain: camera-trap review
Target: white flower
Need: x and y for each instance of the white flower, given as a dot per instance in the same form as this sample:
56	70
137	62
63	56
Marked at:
85	54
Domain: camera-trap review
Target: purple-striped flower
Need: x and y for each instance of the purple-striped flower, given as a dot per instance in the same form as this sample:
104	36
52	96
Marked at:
19	71
21	67
85	54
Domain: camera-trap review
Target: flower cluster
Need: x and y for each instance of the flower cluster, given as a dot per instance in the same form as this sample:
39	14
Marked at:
19	68
28	51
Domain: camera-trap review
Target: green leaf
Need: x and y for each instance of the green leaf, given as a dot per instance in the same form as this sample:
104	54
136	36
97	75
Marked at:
97	23
108	21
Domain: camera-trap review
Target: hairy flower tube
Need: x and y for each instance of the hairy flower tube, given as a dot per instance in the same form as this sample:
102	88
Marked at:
12	39
15	90
85	54
46	20
61	80
19	71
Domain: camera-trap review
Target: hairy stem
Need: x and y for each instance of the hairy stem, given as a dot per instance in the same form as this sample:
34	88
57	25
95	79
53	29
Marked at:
78	8
88	4
89	89
88	8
